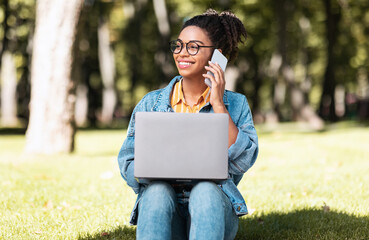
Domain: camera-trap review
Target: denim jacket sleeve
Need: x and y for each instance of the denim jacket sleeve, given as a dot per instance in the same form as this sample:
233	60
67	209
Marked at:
126	157
243	153
126	153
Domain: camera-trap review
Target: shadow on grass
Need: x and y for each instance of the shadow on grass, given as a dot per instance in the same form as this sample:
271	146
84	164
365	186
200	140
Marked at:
304	224
301	224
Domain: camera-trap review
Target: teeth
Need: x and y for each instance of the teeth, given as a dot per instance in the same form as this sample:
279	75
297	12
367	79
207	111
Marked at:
185	63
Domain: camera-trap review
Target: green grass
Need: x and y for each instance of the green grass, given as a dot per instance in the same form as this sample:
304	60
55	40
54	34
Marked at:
304	185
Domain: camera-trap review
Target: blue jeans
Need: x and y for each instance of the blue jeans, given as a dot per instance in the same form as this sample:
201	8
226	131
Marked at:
205	212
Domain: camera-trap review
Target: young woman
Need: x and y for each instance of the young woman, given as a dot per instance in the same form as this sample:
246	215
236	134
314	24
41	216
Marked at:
204	210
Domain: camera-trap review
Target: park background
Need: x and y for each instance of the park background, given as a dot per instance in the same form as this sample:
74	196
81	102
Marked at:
72	71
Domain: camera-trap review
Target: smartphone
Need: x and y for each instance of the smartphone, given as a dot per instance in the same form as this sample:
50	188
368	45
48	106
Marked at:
219	58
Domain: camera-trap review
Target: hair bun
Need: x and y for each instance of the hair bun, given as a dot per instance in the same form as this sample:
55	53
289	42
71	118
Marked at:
228	14
210	12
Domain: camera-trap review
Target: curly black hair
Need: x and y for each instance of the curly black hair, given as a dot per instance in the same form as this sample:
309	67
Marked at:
224	29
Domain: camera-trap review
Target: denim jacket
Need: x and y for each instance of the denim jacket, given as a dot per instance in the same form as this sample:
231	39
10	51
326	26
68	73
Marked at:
241	155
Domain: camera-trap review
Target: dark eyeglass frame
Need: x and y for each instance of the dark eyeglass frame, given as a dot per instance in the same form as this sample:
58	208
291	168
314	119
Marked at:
173	43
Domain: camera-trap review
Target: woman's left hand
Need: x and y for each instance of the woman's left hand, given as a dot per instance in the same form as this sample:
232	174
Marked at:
217	86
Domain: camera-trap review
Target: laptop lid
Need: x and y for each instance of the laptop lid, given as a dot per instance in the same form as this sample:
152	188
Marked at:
180	146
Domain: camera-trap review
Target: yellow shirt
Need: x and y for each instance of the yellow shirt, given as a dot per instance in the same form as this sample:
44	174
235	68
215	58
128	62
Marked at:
179	104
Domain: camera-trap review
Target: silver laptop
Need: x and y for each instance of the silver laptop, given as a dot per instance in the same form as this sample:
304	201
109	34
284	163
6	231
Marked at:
181	146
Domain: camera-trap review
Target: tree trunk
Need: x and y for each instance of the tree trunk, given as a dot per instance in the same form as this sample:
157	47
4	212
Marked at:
107	70
162	55
51	126
278	61
81	104
161	16
132	34
8	91
81	107
8	75
327	100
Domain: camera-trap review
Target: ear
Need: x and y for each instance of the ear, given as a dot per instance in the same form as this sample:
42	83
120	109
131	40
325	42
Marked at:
220	50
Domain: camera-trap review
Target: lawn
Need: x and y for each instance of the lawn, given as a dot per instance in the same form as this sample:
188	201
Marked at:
304	185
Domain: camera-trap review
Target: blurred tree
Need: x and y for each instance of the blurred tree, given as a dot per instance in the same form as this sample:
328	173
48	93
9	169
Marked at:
17	21
351	58
107	65
254	57
162	56
86	73
25	15
145	48
51	126
8	90
286	80
327	101
8	70
136	41
81	71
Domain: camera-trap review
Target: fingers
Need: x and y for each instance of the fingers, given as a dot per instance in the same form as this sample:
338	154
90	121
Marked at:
215	69
218	77
217	84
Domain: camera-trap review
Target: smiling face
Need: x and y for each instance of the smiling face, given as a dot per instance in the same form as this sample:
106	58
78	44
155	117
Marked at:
193	66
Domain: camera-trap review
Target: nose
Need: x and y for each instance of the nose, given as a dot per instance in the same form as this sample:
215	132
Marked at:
184	50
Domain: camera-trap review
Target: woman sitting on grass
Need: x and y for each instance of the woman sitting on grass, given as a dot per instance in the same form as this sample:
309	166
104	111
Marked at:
204	210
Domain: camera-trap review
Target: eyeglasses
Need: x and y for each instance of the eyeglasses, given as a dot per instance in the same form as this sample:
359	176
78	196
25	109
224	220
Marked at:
192	47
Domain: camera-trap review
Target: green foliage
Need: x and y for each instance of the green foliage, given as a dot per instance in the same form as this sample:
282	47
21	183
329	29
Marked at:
144	63
304	185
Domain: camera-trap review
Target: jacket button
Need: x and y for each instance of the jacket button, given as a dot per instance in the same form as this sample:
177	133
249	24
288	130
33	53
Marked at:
238	208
